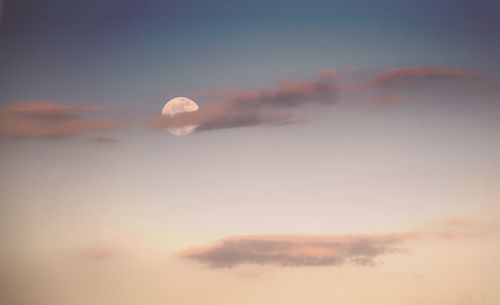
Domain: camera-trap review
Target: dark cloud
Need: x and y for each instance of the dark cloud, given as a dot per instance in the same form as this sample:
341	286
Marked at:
253	108
296	250
51	120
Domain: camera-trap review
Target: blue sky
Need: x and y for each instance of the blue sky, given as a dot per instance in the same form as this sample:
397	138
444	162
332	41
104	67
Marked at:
71	51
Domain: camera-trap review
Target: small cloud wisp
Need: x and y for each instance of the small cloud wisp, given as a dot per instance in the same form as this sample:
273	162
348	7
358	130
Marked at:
51	120
415	77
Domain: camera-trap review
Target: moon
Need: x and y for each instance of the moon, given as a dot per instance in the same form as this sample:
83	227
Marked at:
176	106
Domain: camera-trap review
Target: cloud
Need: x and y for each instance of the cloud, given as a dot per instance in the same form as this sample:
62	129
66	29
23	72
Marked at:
460	228
415	77
51	120
296	250
385	100
103	141
253	108
278	106
402	84
331	250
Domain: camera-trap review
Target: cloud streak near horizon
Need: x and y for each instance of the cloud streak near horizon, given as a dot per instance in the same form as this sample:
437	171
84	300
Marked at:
329	250
297	250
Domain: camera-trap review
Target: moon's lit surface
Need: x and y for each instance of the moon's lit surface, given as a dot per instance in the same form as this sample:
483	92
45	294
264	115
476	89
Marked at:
176	106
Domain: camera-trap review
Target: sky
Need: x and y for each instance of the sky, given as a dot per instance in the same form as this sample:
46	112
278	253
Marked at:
345	152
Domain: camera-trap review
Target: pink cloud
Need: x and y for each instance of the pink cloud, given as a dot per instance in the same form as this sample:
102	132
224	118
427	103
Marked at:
252	108
403	77
297	250
329	250
276	106
51	120
385	100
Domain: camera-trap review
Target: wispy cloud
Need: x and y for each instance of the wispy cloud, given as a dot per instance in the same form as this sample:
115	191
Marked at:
296	250
411	77
386	100
103	141
330	250
459	228
278	106
252	108
52	120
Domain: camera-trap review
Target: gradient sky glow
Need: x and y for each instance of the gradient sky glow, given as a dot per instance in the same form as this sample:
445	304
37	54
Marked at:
347	152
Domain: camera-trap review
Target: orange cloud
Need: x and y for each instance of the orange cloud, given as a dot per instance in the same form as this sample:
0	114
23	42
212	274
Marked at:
51	120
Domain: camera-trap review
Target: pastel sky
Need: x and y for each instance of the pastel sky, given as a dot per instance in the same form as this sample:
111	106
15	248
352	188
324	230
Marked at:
346	152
